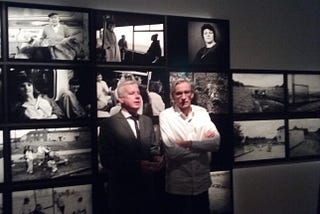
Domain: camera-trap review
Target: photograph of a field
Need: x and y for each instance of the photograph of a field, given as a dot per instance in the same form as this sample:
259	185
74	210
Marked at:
259	140
257	93
304	137
304	92
50	153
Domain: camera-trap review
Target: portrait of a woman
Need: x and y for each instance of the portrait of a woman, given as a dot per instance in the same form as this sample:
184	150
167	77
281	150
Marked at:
212	51
31	104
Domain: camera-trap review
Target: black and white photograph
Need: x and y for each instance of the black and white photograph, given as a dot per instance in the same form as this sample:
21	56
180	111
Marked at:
1	203
220	193
304	92
57	200
210	89
1	94
49	94
48	153
151	87
259	140
208	44
127	38
258	93
1	158
304	137
47	35
0	37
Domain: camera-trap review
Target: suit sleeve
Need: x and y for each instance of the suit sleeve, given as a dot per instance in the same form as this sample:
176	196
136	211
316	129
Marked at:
111	160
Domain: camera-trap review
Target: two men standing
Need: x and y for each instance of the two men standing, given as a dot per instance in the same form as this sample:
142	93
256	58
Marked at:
131	156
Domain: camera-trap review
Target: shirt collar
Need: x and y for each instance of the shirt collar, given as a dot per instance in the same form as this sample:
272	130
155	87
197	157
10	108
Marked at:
126	114
179	112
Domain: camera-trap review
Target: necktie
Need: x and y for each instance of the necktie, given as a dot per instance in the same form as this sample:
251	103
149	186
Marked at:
136	119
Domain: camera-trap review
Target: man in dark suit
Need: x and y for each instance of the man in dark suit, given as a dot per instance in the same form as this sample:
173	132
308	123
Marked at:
130	155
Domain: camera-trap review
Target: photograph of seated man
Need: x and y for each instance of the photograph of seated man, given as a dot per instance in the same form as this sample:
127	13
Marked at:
47	35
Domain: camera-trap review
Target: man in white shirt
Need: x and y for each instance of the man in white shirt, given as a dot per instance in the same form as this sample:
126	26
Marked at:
189	136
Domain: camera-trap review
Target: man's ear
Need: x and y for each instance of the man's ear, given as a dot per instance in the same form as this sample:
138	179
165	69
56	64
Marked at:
192	95
120	100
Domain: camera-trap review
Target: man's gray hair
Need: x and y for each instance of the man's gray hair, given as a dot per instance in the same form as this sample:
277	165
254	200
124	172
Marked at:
120	88
177	82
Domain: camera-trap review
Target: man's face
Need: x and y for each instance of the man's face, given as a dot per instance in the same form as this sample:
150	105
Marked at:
54	20
183	95
130	99
74	88
99	77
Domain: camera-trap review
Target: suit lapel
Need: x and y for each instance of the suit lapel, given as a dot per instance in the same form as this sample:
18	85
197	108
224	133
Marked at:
124	126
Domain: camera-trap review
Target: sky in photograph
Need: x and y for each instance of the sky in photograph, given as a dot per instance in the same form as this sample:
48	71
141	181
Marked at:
310	124
260	128
313	81
261	80
21	132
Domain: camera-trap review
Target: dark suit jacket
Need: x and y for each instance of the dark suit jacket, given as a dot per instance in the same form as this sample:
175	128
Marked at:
121	153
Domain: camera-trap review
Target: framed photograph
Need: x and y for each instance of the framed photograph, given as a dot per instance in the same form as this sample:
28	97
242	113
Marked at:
68	199
1	204
208	44
48	153
259	140
46	34
304	92
220	192
151	86
211	89
128	38
1	95
1	159
49	94
1	46
198	43
304	137
258	93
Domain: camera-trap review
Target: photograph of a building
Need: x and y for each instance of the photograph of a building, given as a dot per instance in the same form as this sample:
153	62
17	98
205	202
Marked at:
259	140
49	153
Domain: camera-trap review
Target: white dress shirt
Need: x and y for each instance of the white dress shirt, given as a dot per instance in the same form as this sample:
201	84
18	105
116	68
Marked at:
188	169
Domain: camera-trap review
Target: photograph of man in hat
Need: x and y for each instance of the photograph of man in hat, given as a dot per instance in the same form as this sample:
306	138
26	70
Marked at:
63	43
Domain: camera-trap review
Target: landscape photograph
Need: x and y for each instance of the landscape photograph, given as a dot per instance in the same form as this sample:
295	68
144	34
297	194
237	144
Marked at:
259	140
304	137
304	92
210	89
220	194
49	153
257	93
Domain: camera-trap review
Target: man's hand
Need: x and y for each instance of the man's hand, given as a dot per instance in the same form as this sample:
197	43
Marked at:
149	167
209	134
184	143
160	160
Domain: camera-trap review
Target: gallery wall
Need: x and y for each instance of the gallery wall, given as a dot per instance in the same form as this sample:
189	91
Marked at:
263	35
